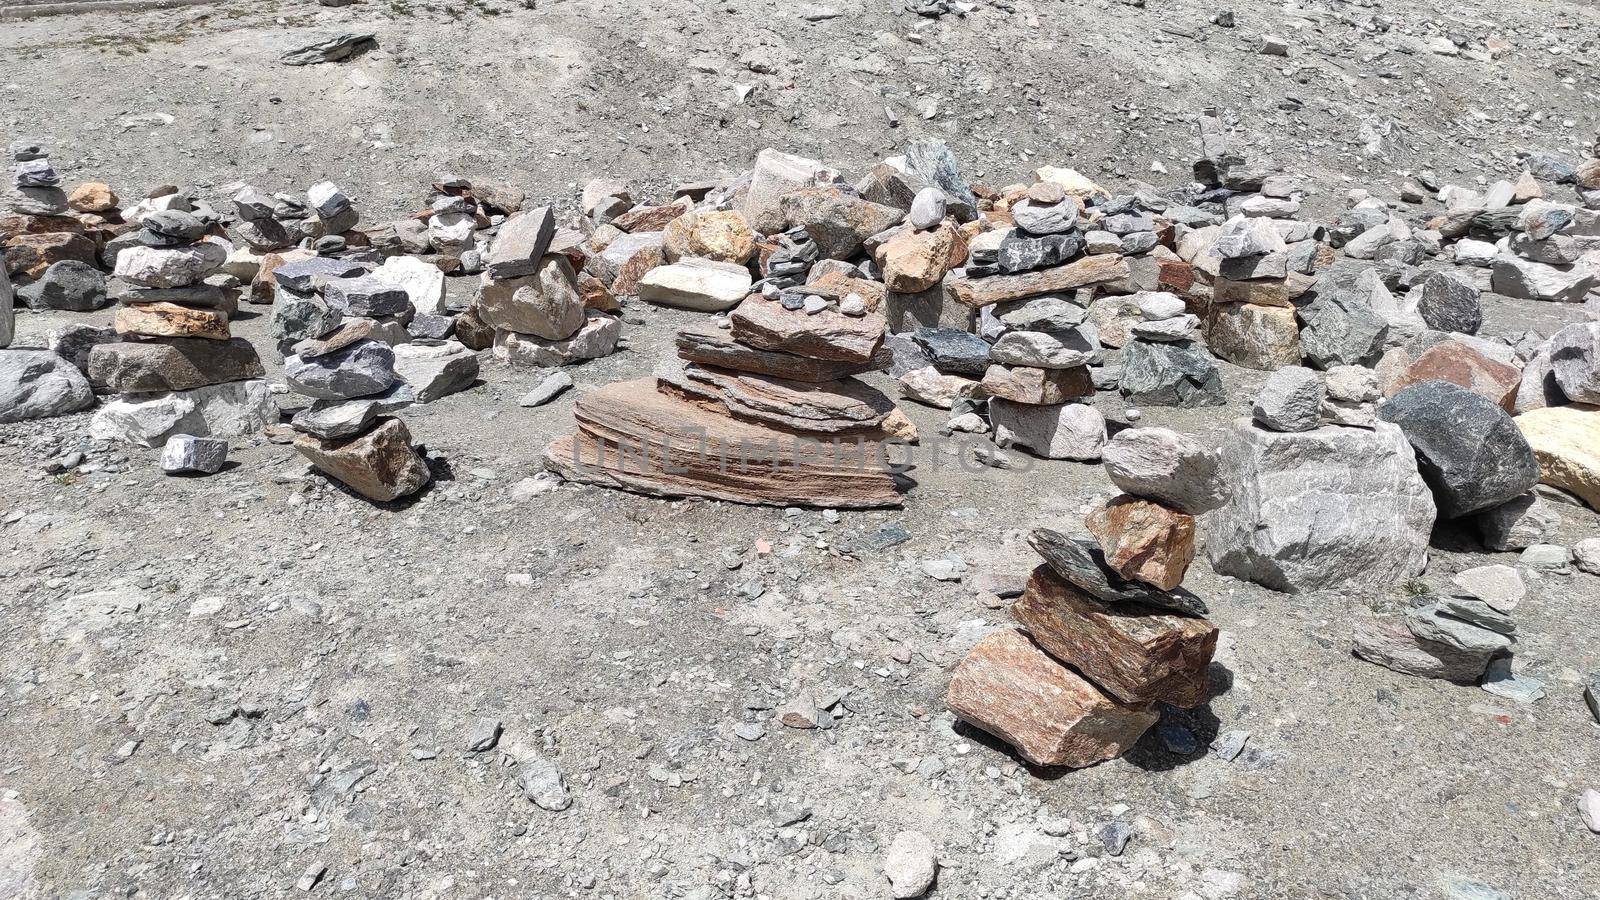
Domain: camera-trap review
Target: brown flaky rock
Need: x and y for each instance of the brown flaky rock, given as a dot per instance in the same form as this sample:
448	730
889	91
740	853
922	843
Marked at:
635	437
379	465
976	292
1262	292
724	236
836	407
830	334
1144	541
652	218
1136	653
30	254
169	320
92	197
913	261
1040	387
1461	365
713	346
1013	690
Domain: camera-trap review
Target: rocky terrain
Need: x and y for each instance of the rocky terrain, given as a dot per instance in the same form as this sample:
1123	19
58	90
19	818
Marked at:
261	683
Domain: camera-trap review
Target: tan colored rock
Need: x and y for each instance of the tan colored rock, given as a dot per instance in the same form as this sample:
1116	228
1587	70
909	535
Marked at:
92	197
1527	188
837	222
900	427
264	288
1256	337
724	236
928	385
1144	541
545	304
977	292
637	266
169	320
913	261
1263	292
1053	716
831	335
1462	366
1566	442
596	295
704	285
472	331
379	465
1025	384
13	224
1589	174
1134	652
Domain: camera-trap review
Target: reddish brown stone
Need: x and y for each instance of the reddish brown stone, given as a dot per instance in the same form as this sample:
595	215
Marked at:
1136	653
652	218
13	225
626	284
830	334
1024	384
379	465
1144	541
31	254
1463	366
1175	275
1011	689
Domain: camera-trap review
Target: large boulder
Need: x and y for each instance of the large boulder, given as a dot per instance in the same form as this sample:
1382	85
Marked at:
1340	325
1575	361
38	384
1469	450
544	303
179	364
1332	507
232	409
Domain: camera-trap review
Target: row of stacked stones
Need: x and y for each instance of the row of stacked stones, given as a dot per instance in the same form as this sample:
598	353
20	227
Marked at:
1107	631
176	368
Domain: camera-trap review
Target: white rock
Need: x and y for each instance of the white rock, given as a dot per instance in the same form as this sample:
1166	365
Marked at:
423	282
699	284
597	338
166	267
928	385
435	370
231	409
910	864
1056	431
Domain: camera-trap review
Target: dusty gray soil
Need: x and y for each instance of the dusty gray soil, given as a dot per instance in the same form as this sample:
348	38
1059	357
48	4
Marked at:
212	686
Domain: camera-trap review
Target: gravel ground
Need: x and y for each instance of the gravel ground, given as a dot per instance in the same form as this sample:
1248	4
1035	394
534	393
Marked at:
254	684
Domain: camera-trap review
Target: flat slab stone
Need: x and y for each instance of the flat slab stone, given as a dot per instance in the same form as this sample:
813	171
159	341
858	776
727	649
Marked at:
179	364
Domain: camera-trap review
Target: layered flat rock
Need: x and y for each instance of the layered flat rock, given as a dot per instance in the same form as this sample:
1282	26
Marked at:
836	407
976	292
1388	642
633	437
179	364
712	346
827	335
379	464
1083	564
1053	716
1136	653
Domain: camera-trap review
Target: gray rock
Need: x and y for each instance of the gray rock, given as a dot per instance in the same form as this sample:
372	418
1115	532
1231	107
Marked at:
68	285
1046	349
430	327
910	864
1501	681
1516	524
485	734
1575	361
298	316
1022	253
1339	325
306	275
231	409
346	418
38	384
1158	373
1430	623
8	304
932	161
173	227
521	244
1040	219
366	296
1586	553
1290	400
1243	237
186	453
1390	643
359	370
1055	431
1333	507
1539	388
1471	453
954	351
1162	465
435	370
927	208
75	341
551	387
1049	312
1478	613
1547	558
541	782
1499	587
331	49
1450	302
1525	279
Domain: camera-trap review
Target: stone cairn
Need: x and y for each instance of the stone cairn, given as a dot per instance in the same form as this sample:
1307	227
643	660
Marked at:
177	368
1107	629
532	298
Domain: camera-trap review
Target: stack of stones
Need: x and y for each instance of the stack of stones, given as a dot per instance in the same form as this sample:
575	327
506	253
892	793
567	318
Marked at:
1454	637
35	230
532	299
1107	630
766	411
36	186
350	431
177	367
1252	317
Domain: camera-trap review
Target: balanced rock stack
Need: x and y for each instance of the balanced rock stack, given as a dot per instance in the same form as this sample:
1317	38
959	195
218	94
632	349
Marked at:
350	432
533	300
1454	637
1107	631
177	369
37	230
35	186
767	411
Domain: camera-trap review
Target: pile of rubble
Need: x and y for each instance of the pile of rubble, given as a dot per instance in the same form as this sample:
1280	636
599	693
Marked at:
1108	631
532	298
